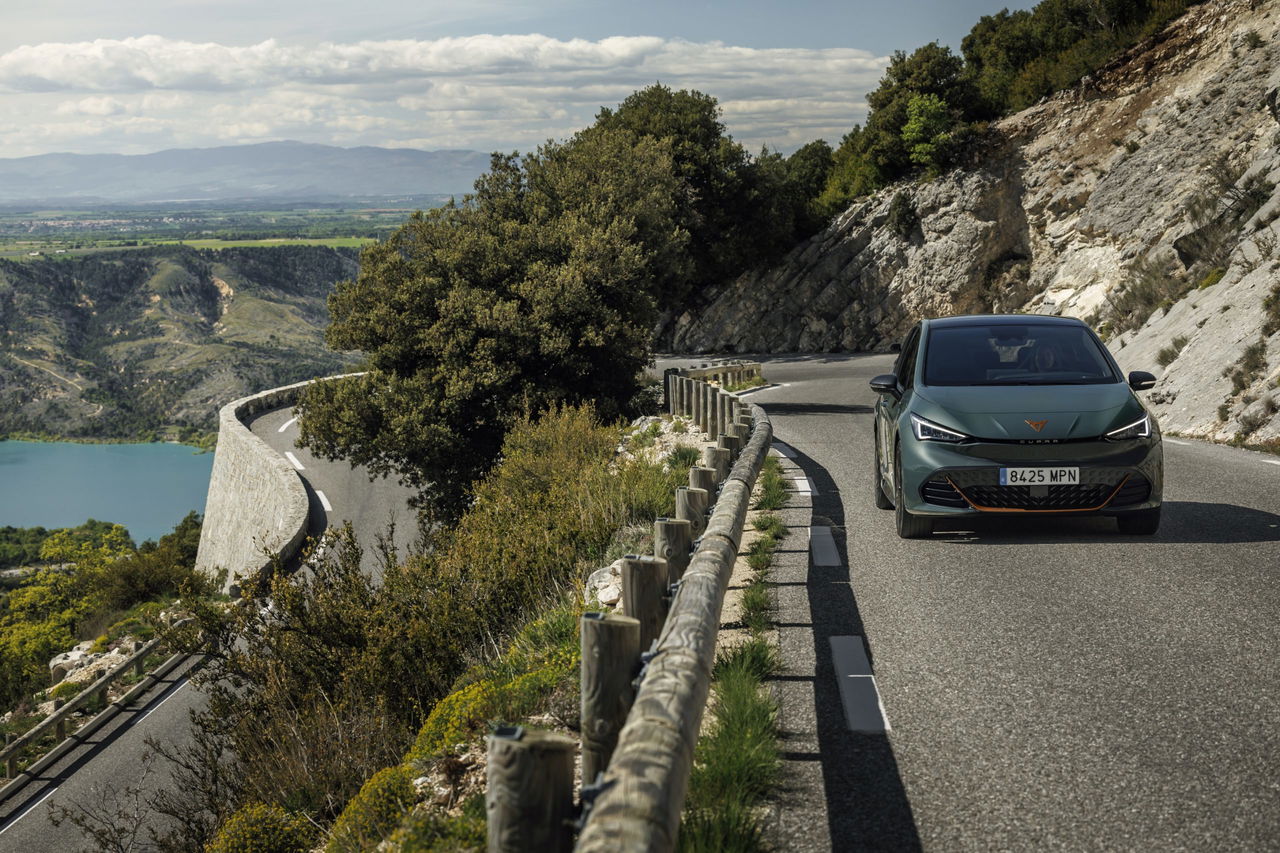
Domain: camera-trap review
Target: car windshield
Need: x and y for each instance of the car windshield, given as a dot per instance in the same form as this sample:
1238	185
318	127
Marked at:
1024	354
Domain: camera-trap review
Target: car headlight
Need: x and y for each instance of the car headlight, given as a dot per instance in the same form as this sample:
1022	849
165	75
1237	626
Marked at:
1141	428
929	431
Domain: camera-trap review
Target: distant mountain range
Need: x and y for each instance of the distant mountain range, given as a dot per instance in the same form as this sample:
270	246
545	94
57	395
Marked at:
271	170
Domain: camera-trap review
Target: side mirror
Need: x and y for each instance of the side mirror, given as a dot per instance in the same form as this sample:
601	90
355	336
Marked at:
1139	380
886	384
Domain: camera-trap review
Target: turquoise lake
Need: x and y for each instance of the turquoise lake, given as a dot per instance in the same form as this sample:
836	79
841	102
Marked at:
146	487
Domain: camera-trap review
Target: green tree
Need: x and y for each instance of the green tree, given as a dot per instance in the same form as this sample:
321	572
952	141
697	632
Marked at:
537	290
927	133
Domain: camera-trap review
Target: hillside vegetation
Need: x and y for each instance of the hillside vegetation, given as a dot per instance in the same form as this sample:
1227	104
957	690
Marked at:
150	343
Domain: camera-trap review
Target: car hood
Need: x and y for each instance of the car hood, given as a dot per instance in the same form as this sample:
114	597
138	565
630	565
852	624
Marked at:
1013	411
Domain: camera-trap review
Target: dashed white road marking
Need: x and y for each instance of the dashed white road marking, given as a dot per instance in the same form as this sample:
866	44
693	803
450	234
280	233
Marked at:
1271	461
28	811
803	485
863	707
324	502
1175	441
296	464
284	426
175	692
784	450
822	546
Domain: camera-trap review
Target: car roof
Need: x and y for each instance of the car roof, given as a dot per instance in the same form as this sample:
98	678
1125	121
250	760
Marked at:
1002	320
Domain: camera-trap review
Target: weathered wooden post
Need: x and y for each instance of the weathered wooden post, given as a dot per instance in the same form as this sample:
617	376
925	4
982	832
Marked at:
530	790
716	458
672	540
682	394
729	441
11	767
691	506
669	390
725	408
705	479
644	585
61	727
700	405
610	659
713	412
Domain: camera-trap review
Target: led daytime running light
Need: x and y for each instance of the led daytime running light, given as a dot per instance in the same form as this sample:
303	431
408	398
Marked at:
1141	428
929	431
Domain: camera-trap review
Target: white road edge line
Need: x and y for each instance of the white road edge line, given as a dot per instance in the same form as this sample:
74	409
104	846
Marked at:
1271	461
296	464
863	706
324	502
822	546
284	426
784	450
1175	441
175	692
29	810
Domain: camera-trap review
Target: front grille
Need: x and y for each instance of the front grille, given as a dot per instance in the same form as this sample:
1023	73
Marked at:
1043	498
942	493
1134	491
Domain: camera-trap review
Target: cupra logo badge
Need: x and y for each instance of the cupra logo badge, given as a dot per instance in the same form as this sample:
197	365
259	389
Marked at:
1037	425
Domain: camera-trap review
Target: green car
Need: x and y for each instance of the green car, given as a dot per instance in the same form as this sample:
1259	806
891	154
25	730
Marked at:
1013	415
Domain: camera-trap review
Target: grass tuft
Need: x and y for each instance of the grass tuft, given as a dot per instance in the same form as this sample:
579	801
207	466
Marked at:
773	488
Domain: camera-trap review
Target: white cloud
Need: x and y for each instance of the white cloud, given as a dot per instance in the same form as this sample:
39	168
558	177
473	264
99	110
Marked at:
484	91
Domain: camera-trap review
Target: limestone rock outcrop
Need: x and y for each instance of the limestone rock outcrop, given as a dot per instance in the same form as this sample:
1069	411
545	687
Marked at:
1143	201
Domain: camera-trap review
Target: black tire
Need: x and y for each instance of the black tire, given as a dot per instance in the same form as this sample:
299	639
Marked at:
1141	523
909	526
877	483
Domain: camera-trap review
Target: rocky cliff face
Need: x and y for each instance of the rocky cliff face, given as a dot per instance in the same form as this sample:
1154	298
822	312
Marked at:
1143	201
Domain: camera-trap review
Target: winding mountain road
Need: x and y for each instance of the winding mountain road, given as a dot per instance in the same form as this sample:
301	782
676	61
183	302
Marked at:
1043	684
112	756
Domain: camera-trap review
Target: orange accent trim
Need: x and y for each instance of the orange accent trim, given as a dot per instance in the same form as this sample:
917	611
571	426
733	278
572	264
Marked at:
1114	492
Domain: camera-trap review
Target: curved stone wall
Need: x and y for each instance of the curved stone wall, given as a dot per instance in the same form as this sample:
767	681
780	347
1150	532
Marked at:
257	505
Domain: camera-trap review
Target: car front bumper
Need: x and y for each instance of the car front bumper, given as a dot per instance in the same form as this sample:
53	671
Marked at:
940	479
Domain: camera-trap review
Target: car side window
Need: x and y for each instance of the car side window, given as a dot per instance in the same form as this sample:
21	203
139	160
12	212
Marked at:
906	367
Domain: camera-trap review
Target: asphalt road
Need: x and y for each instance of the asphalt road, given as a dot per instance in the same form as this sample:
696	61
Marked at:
1047	683
112	758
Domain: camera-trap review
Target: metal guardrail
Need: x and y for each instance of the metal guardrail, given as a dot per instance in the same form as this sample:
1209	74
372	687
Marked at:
57	721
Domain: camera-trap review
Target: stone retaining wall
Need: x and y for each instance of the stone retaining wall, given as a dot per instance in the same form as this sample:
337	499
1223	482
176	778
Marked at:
257	504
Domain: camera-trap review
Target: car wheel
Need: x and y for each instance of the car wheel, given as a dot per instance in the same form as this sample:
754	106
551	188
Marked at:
1142	523
909	526
877	482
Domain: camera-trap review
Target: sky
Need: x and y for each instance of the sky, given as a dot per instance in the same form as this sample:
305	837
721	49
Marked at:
135	76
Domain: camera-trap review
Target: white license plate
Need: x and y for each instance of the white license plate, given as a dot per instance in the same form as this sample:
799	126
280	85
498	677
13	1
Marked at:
1039	476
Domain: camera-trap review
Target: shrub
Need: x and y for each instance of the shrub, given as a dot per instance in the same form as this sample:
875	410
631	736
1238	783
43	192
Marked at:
1211	278
903	219
1271	312
1247	369
1224	412
425	831
1252	40
258	828
1167	355
374	812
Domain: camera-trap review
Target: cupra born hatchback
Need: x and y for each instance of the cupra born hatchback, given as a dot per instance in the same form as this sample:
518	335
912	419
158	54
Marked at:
1015	415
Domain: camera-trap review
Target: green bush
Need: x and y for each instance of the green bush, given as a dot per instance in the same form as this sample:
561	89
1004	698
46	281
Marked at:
1271	311
903	219
374	812
1211	278
1167	355
432	832
258	828
1249	367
